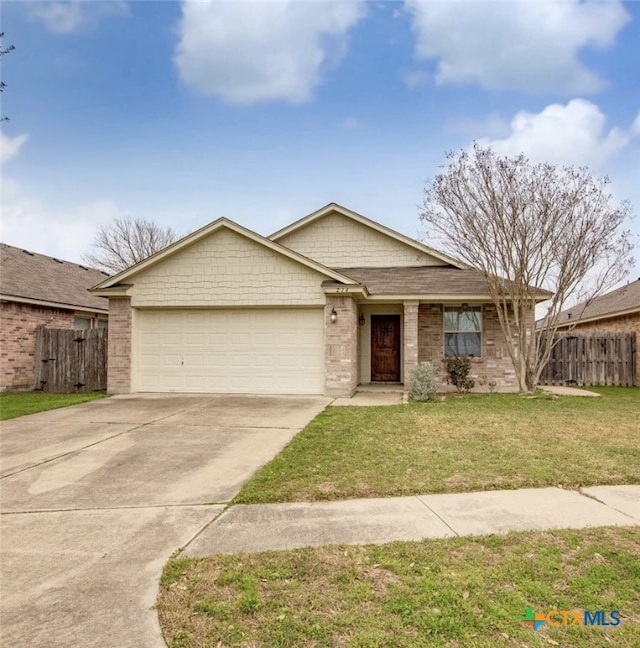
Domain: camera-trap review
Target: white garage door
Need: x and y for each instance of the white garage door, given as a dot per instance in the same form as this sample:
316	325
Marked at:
261	351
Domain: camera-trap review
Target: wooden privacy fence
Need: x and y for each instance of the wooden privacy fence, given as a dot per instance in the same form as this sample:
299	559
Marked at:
592	359
70	361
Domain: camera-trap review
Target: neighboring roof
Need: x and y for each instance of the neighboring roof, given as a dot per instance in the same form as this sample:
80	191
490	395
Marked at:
339	209
32	277
617	302
422	280
207	230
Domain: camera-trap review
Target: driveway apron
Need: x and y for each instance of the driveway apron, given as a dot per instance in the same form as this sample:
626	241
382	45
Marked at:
95	498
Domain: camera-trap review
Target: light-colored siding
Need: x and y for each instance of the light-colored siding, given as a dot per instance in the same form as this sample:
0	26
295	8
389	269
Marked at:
227	269
339	242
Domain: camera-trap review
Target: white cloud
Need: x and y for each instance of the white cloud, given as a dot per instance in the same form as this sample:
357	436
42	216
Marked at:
246	52
71	15
10	146
572	134
525	45
415	78
64	232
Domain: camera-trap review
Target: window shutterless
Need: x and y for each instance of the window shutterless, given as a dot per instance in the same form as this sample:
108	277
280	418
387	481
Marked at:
463	331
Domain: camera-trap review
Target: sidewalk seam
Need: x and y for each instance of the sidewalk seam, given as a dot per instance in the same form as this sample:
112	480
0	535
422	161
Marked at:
202	529
613	508
438	516
75	450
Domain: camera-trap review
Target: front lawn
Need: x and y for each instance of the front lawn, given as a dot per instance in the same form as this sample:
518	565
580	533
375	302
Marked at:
470	443
455	593
14	404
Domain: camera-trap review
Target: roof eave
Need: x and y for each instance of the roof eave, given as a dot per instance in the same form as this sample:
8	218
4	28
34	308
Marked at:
594	318
120	290
52	304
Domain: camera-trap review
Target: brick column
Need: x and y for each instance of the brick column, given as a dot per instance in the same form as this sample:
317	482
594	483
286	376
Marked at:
119	363
341	346
410	347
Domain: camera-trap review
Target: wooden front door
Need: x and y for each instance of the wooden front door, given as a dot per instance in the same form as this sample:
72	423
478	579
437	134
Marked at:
385	348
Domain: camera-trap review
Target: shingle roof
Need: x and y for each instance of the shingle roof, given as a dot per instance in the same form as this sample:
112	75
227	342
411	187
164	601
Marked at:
621	299
422	280
433	280
35	276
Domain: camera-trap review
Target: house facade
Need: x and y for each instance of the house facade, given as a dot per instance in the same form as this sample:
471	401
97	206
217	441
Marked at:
38	290
328	303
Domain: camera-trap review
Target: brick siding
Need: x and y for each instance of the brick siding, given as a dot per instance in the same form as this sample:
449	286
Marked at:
410	341
341	347
119	367
495	364
18	323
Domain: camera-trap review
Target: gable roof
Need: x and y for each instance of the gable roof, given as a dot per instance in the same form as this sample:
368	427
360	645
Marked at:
625	299
334	208
202	233
36	278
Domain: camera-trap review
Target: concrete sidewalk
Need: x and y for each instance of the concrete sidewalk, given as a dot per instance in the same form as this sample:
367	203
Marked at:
259	527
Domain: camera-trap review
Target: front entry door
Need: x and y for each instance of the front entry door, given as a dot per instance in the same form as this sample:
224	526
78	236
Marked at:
385	348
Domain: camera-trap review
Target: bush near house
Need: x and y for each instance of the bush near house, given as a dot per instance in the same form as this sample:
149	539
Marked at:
424	384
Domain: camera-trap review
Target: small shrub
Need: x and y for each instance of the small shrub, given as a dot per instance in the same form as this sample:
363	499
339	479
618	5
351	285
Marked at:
458	369
423	384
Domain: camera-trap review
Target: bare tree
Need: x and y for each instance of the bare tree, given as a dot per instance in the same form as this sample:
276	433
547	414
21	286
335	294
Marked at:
4	50
529	227
127	241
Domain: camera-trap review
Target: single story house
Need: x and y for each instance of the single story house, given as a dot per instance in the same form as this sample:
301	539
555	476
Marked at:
617	311
40	290
330	302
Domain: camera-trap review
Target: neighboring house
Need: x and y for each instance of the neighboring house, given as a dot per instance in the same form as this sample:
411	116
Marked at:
617	311
36	289
330	302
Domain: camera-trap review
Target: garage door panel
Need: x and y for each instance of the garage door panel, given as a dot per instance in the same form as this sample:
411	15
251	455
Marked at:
242	351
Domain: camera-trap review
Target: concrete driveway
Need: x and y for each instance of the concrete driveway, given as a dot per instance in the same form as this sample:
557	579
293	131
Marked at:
95	498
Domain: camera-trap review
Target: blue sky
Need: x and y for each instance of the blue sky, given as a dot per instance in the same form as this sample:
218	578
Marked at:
182	112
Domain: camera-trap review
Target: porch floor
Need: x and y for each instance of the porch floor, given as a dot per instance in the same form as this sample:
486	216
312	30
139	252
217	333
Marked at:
381	388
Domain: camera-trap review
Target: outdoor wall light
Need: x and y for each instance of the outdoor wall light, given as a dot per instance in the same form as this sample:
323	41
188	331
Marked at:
361	319
334	316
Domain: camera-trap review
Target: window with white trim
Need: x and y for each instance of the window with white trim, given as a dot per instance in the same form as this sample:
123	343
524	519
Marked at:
463	331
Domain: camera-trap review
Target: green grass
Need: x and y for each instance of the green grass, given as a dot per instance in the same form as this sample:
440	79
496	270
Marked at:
14	404
468	443
456	593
